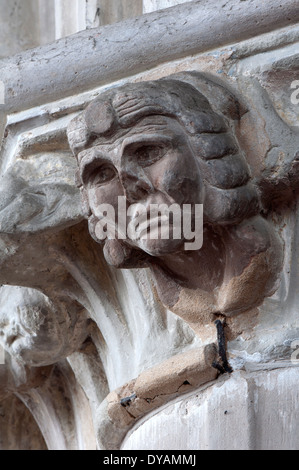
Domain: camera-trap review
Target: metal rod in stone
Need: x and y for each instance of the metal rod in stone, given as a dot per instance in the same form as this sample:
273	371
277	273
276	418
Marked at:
127	401
222	347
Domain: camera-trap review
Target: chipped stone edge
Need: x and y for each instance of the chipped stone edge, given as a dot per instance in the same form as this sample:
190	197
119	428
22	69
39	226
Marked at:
177	376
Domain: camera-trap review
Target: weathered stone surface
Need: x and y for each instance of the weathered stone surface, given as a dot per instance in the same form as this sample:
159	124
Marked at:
33	331
18	430
19	26
152	389
115	11
151	143
244	412
103	58
153	5
118	329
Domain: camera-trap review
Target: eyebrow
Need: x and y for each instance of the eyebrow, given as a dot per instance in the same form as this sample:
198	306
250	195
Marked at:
144	138
155	132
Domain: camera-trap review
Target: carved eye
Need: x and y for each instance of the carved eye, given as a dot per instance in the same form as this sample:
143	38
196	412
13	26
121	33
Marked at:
101	175
149	154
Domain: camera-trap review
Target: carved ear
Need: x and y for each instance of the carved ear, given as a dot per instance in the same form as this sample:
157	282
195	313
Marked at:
221	99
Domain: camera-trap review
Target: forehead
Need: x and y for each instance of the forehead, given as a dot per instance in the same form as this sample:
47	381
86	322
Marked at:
150	128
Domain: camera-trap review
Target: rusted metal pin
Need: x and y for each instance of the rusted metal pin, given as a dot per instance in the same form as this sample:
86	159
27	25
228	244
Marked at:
127	401
224	365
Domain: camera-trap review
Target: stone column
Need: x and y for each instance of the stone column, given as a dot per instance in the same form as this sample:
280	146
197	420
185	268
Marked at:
118	10
153	5
61	18
72	16
19	26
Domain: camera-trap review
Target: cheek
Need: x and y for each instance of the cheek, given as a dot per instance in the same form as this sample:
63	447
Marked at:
107	194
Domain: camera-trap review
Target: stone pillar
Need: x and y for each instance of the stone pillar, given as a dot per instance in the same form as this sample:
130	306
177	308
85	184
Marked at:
61	18
46	21
153	5
25	24
19	26
112	11
70	17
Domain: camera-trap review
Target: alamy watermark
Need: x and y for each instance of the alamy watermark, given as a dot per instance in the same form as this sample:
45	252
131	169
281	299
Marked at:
2	93
156	221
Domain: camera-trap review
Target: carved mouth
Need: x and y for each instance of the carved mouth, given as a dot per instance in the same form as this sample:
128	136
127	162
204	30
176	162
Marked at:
150	228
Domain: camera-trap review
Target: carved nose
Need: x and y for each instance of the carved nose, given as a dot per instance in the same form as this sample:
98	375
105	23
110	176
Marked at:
136	187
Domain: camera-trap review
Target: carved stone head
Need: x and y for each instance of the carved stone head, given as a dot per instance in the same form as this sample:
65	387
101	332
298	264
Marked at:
33	331
162	142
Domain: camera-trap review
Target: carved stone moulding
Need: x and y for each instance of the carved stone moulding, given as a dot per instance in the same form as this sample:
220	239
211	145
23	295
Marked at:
119	328
35	77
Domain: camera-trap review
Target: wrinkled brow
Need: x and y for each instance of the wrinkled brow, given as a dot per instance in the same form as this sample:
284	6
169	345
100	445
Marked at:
150	124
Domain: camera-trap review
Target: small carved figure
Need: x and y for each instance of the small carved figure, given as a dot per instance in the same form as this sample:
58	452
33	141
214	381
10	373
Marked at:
35	332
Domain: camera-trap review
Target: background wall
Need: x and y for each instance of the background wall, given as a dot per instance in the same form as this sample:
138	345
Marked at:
153	5
19	26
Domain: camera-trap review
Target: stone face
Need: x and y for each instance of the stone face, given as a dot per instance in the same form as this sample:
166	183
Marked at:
91	351
33	331
161	143
17	427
